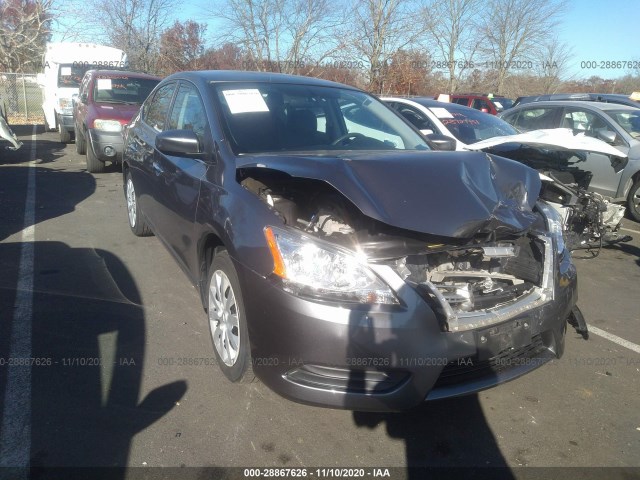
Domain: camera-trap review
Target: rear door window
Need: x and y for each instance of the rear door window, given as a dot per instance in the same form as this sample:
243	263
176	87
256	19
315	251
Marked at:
481	105
416	117
461	101
534	118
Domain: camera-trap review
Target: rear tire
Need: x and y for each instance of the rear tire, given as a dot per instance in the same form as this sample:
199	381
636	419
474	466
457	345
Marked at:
633	201
93	164
227	320
81	143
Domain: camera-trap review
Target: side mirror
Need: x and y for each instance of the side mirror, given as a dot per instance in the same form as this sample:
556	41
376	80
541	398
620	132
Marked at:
441	142
607	136
178	142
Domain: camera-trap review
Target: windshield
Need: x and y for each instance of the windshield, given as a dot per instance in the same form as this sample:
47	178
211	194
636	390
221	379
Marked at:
122	89
268	117
70	75
627	119
470	126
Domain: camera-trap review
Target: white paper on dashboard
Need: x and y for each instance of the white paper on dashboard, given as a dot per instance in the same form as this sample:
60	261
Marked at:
245	100
104	84
441	112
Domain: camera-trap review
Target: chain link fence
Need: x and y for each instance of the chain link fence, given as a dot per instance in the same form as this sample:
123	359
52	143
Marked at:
21	99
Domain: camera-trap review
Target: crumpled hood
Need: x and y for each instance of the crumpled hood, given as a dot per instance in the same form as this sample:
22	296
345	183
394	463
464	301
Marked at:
561	138
450	194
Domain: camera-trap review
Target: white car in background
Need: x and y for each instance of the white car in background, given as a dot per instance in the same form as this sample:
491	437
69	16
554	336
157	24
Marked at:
591	219
466	125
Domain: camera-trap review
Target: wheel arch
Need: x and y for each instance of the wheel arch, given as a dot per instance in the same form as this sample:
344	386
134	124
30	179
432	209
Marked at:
209	245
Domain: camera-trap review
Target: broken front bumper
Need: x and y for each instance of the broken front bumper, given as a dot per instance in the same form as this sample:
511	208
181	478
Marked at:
395	357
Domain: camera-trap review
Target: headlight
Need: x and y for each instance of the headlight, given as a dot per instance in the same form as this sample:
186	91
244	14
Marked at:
107	125
312	268
65	106
554	224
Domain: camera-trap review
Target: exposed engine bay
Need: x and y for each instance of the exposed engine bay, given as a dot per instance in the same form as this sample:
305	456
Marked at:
591	220
467	282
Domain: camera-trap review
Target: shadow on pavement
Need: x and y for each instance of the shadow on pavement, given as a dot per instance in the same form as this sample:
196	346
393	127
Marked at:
47	151
443	439
629	249
50	200
88	332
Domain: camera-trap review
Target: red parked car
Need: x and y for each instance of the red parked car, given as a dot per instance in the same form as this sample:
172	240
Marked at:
107	100
487	103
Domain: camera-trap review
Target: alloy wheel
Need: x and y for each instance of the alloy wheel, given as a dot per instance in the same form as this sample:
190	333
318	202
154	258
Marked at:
224	321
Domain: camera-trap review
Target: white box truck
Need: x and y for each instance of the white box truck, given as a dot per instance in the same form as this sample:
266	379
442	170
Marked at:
64	65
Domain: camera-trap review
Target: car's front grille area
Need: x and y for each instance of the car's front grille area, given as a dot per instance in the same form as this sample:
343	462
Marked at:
344	380
470	368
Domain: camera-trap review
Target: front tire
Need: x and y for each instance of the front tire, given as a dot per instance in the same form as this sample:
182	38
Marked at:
136	220
81	143
633	201
93	164
65	135
227	320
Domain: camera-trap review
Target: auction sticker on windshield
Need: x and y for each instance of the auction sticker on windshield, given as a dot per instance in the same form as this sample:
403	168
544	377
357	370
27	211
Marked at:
441	112
245	101
104	84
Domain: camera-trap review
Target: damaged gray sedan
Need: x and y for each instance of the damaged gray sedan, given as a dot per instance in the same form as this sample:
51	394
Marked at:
338	258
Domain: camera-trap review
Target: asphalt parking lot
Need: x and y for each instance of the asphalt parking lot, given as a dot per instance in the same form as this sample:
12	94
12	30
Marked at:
111	323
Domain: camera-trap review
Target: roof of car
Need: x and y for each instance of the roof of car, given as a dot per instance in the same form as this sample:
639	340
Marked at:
265	77
619	98
430	102
492	95
573	103
124	72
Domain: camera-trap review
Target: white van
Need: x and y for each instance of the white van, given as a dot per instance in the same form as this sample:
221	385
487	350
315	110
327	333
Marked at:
64	65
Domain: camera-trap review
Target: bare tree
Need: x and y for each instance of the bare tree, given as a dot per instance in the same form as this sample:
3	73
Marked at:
25	27
134	26
453	30
514	32
182	47
280	35
227	57
379	29
554	60
408	73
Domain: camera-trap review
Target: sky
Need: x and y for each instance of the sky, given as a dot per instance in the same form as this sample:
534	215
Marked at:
598	31
601	31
